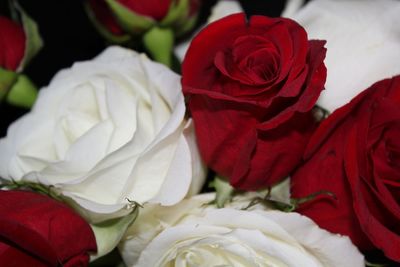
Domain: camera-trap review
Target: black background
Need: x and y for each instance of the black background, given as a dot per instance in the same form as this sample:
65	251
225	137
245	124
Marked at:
69	36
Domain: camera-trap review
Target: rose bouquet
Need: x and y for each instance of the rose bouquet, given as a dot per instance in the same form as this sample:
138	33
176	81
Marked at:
203	136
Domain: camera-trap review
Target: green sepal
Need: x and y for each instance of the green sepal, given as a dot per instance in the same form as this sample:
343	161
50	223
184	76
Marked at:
23	93
178	10
109	233
112	38
370	264
283	206
33	40
159	42
50	191
129	20
7	80
224	192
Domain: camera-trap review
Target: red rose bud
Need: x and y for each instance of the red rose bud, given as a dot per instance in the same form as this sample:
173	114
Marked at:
157	22
12	44
36	230
135	17
102	14
355	154
251	87
19	43
156	9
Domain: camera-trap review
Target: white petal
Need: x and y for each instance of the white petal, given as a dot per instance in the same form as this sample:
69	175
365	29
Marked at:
363	41
178	178
199	169
324	245
151	169
163	81
81	157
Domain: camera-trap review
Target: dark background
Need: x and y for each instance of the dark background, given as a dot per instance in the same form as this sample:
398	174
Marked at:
69	36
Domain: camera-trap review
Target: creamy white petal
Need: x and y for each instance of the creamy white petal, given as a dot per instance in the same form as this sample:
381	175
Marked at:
363	40
173	191
199	169
324	245
193	233
106	131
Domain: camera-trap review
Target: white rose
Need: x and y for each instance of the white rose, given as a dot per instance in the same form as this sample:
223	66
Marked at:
190	234
105	131
363	42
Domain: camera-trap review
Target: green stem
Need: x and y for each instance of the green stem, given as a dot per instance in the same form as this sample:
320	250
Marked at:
159	42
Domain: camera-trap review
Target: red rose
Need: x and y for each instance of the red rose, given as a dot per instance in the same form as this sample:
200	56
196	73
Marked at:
251	86
104	16
355	154
156	9
36	230
12	44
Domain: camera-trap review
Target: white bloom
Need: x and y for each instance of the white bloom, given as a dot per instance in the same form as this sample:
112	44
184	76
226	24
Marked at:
363	42
221	9
190	234
105	131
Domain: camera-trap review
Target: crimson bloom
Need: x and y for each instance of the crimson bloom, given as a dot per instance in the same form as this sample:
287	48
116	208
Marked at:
12	44
355	154
36	230
251	87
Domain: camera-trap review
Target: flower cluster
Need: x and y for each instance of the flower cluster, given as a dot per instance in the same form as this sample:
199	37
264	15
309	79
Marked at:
298	140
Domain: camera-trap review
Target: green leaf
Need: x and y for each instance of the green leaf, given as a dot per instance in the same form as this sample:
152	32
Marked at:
129	20
179	10
224	191
33	40
109	233
23	93
7	80
159	42
115	39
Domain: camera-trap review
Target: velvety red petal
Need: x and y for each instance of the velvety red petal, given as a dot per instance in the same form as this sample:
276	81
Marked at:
44	227
265	159
222	130
12	257
156	9
325	171
12	44
198	70
381	236
105	17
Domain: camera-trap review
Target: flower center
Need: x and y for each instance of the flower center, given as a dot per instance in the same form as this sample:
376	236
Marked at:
252	60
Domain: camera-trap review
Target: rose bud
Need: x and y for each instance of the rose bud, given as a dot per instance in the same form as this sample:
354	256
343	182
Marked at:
355	154
36	230
12	44
251	87
156	22
19	42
